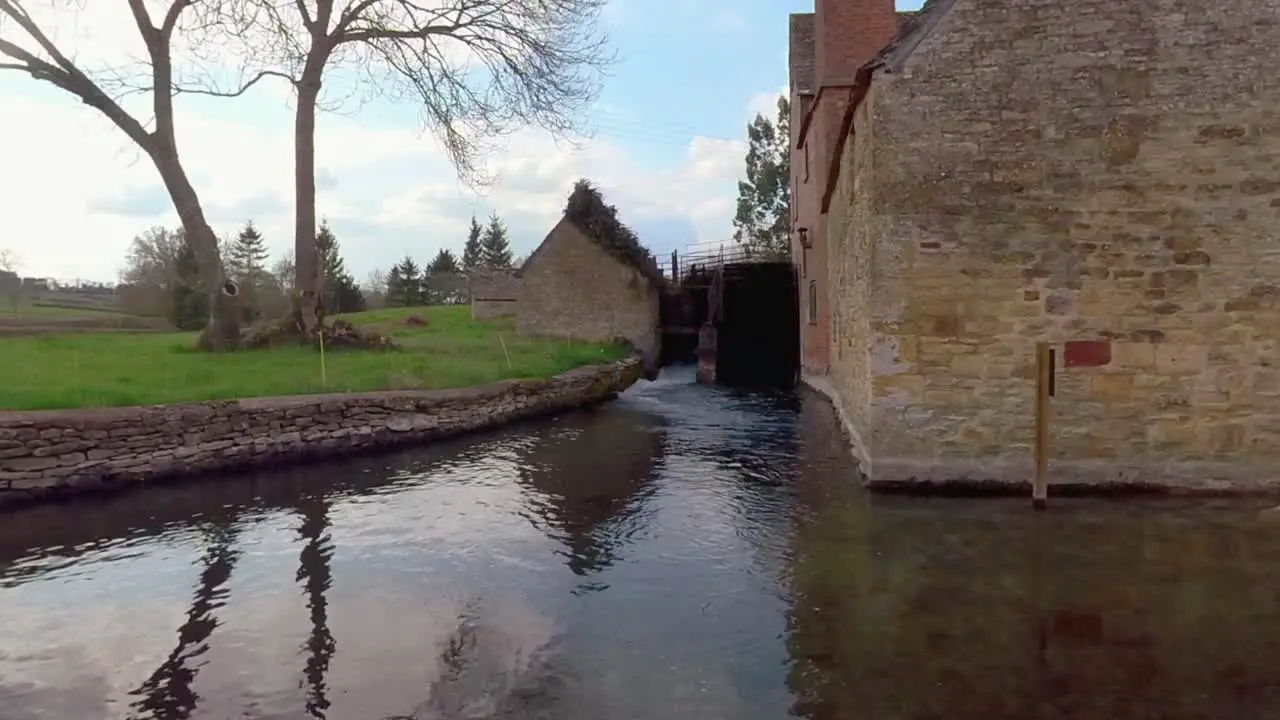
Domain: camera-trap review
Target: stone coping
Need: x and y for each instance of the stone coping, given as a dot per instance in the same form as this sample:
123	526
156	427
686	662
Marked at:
52	454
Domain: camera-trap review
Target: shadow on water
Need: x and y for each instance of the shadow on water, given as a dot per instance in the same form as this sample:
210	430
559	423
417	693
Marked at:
688	551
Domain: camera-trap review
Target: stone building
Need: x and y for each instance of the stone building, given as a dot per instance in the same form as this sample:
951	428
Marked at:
1097	175
575	285
494	293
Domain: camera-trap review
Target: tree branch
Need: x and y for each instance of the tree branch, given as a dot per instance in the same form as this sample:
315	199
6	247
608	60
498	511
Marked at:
244	88
171	18
307	21
67	76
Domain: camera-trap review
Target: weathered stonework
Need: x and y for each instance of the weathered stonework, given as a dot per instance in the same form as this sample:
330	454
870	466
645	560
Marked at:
486	309
572	288
1047	172
54	453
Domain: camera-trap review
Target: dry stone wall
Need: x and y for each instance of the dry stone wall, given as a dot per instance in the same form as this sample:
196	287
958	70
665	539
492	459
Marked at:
50	454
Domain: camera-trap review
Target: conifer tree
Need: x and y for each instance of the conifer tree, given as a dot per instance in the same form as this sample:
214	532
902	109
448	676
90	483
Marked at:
404	284
190	305
471	252
495	247
438	280
342	293
246	263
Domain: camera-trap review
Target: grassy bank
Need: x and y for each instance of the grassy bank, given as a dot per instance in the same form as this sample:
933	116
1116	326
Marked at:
111	369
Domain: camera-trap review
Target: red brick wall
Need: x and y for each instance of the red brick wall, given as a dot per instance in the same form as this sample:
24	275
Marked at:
811	264
847	34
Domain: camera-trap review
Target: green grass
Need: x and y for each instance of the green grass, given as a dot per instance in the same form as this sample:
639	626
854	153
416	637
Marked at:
112	369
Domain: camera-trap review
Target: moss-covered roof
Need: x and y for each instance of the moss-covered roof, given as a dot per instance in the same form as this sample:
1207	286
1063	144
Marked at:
598	220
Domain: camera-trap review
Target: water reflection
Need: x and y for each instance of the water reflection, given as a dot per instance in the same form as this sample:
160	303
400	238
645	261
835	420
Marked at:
962	609
685	552
316	575
587	484
167	693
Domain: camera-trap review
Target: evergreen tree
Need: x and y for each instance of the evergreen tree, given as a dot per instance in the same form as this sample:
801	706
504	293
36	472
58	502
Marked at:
495	248
342	293
472	252
439	279
190	303
393	291
246	261
763	218
444	261
404	284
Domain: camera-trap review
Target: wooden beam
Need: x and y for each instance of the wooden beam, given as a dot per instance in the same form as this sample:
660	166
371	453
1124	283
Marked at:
1044	406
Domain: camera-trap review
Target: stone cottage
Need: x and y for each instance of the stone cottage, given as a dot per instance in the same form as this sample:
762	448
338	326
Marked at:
590	279
986	175
493	292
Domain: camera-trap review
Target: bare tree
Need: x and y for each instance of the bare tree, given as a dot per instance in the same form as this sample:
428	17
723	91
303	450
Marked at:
283	272
10	281
152	258
375	289
151	272
476	68
27	47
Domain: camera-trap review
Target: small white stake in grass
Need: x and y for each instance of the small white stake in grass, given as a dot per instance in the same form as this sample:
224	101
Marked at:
506	354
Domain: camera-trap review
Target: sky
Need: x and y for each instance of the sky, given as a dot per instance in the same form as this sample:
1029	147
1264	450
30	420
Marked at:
667	148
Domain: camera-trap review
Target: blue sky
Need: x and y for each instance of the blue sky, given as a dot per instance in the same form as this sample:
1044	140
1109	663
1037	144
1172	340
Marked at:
668	150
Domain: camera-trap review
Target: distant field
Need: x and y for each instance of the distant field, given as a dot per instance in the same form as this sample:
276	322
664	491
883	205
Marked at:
98	369
47	312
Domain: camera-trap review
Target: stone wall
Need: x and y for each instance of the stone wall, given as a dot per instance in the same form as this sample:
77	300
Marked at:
482	309
571	288
1049	172
52	453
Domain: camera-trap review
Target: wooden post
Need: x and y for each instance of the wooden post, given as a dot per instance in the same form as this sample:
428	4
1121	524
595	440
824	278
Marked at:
1044	393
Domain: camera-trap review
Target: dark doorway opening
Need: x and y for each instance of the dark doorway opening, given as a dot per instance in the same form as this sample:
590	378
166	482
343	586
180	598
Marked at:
758	338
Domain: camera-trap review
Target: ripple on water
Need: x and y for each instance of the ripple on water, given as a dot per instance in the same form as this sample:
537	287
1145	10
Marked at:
685	552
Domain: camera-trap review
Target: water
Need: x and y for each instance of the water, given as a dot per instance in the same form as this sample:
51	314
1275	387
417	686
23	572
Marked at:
684	552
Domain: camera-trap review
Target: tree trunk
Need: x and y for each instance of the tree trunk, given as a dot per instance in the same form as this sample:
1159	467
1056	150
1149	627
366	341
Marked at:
308	275
223	330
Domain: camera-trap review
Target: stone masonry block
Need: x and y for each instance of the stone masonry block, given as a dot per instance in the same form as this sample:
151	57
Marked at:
1111	387
1133	356
1174	359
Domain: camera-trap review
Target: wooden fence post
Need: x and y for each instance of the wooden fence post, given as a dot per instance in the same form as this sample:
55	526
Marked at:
1044	407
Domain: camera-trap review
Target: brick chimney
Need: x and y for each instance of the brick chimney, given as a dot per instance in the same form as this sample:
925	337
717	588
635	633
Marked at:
848	33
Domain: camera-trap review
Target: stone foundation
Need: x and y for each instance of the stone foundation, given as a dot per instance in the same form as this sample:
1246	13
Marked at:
51	454
1072	478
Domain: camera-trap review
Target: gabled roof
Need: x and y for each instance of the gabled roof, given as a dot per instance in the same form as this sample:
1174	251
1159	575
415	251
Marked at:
913	27
801	51
649	270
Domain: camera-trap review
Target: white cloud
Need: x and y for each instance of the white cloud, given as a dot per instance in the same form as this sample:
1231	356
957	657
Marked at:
75	190
766	103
